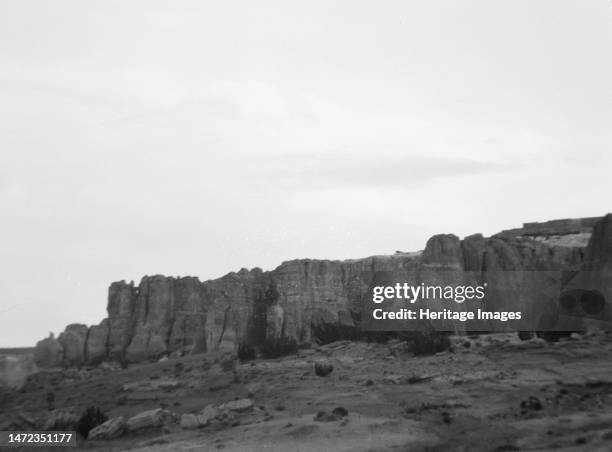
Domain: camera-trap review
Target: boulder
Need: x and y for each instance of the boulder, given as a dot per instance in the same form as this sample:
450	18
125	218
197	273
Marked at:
149	419
207	415
189	421
113	428
239	405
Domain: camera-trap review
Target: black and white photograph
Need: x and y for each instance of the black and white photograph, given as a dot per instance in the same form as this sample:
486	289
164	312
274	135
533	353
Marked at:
306	226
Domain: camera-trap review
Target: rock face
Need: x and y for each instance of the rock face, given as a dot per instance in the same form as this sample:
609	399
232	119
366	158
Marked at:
96	347
73	343
599	250
314	300
120	308
592	287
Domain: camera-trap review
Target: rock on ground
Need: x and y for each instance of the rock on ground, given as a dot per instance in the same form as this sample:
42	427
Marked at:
237	405
113	428
148	419
189	421
207	415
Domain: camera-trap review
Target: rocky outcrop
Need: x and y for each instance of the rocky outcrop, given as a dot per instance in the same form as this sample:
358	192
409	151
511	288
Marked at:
48	352
73	343
120	308
598	256
566	226
308	299
589	291
96	347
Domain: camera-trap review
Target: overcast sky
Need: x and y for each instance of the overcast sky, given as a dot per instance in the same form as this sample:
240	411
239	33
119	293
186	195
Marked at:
196	138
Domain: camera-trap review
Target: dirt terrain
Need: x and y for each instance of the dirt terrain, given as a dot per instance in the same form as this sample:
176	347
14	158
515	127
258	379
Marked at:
490	392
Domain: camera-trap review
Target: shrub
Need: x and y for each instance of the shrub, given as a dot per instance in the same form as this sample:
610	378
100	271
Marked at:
427	342
91	417
323	369
228	363
123	362
246	352
379	337
325	333
553	336
50	400
275	347
178	369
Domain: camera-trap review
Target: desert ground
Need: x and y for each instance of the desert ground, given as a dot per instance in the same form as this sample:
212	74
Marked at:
490	393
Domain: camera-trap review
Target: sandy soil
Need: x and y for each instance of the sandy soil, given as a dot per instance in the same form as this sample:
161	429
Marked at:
490	393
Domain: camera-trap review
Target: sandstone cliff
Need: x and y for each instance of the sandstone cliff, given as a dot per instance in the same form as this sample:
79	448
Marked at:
301	298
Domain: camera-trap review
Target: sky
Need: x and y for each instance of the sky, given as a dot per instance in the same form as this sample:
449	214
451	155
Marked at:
197	138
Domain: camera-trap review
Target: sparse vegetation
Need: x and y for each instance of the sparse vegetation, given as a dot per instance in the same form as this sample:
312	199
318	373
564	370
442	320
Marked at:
123	362
276	347
553	336
228	363
323	369
246	352
426	342
379	337
526	335
178	369
326	333
50	400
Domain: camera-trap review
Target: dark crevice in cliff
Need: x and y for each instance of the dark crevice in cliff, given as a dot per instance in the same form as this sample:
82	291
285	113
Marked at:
225	321
134	296
85	345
